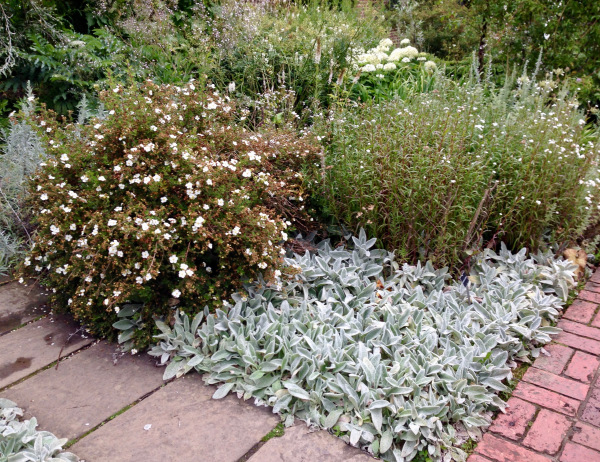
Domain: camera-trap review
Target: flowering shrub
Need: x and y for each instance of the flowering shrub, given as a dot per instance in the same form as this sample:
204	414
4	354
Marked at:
382	74
168	199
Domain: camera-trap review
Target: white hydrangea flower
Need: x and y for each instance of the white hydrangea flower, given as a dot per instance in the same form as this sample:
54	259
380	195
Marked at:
430	66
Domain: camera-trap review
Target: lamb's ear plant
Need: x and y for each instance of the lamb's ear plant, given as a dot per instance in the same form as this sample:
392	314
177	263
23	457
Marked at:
21	442
397	359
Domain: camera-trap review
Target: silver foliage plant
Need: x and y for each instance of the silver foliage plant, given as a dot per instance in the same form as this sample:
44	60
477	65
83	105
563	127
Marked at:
399	360
20	156
21	442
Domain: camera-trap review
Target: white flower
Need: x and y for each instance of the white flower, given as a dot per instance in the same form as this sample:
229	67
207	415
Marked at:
247	173
44	197
406	59
405	52
368	68
153	128
235	231
163	199
64	158
176	293
262	265
221	202
112	222
133	351
430	66
389	67
84	179
211	106
54	229
209	182
405	42
145	254
101	178
231	87
173	258
284	236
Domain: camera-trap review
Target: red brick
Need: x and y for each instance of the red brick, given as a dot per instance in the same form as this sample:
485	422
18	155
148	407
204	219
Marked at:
581	311
505	451
579	343
558	359
591	412
546	398
589	296
592	287
555	383
547	432
582	367
576	453
513	424
579	329
477	458
586	435
595	277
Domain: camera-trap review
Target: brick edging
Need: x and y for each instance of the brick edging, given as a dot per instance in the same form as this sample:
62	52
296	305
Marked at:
554	412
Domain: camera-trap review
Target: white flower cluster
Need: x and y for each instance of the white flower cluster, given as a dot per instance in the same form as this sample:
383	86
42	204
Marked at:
380	57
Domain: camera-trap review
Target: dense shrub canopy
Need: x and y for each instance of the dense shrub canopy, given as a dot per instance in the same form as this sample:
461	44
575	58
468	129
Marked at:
168	197
443	173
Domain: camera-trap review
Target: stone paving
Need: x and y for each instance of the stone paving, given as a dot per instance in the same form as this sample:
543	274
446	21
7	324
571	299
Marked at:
116	408
554	412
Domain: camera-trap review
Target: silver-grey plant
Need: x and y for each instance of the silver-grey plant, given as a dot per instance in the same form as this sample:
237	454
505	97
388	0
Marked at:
399	359
21	442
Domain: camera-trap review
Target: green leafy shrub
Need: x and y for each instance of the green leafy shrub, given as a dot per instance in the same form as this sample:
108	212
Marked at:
444	173
169	198
399	360
262	46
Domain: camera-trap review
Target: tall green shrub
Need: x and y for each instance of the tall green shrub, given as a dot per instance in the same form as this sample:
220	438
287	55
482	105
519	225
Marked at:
440	174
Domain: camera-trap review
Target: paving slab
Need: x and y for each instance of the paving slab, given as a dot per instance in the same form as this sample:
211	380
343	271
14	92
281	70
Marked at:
186	424
85	389
300	444
20	304
36	345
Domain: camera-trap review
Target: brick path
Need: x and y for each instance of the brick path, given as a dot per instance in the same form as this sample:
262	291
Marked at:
554	413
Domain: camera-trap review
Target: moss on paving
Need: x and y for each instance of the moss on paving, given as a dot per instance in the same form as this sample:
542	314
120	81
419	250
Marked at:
277	432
